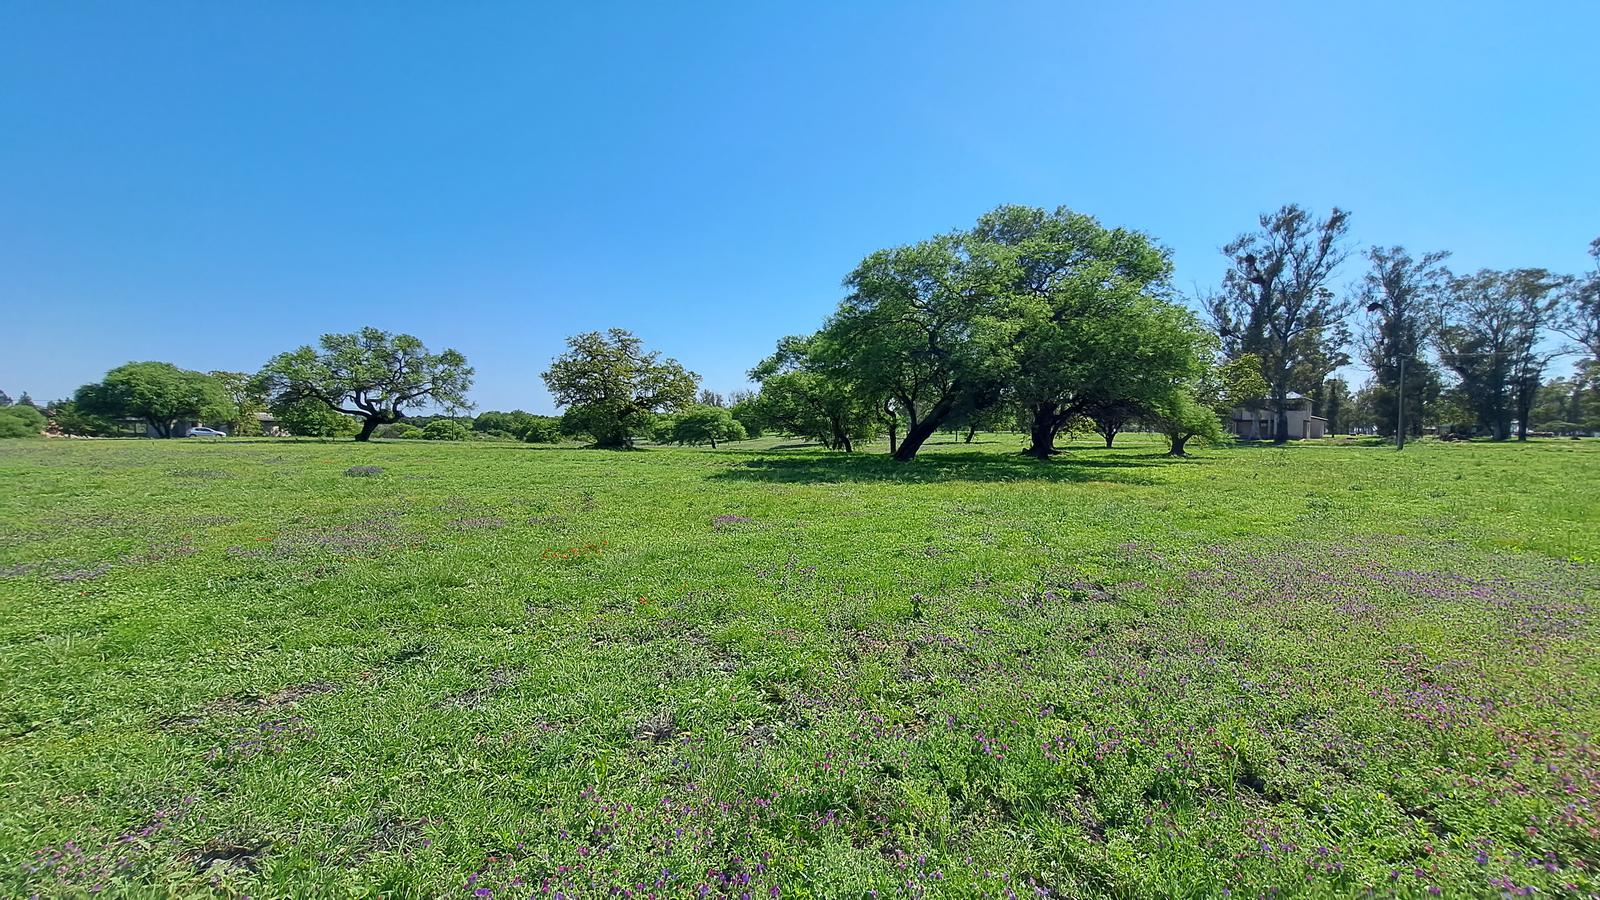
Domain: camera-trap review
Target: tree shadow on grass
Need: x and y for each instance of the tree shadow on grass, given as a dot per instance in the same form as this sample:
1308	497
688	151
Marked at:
943	467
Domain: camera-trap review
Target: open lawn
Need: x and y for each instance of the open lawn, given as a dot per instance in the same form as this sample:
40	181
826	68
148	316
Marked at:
502	670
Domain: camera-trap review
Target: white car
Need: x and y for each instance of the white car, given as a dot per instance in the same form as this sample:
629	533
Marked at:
202	431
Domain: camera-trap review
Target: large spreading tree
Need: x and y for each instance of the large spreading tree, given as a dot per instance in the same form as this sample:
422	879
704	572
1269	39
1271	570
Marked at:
1042	311
159	393
921	332
1491	338
1275	303
372	375
1090	332
612	387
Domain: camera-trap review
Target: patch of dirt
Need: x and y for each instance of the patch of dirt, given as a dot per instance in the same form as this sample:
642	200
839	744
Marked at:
243	703
224	857
474	697
408	653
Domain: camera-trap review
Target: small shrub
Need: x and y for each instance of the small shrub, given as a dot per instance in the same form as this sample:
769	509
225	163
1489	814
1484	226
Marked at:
399	431
20	421
543	430
445	430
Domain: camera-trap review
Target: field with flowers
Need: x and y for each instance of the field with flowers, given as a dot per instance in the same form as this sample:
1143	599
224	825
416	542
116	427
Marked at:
494	670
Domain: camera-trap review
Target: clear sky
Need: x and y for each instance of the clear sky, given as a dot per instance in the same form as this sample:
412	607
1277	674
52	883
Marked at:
211	183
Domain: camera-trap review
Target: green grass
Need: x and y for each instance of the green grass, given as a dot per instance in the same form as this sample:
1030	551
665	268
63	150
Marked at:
229	667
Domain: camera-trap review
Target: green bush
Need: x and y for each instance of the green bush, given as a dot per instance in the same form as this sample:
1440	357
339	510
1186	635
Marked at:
313	418
399	431
543	430
445	430
69	419
20	421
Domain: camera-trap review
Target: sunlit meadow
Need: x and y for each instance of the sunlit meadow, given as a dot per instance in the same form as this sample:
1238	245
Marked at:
277	668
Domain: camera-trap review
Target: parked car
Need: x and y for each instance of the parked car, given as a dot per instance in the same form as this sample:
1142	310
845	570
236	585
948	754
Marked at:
202	431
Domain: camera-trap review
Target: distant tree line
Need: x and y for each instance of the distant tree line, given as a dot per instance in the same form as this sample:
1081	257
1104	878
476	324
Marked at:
1041	321
1469	353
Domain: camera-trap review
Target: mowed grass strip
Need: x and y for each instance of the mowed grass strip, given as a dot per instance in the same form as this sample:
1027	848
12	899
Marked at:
242	668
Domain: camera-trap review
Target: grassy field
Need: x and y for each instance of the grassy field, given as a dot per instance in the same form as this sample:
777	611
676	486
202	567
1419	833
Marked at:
501	670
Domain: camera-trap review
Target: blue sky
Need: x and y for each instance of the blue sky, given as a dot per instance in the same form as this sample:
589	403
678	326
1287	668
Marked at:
211	183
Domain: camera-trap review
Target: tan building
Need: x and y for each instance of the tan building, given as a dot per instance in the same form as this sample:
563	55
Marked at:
1258	422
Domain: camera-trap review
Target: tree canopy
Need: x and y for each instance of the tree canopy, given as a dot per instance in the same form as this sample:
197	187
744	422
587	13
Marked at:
612	387
1275	302
807	391
160	393
1403	297
1579	317
372	375
1039	310
706	424
1494	323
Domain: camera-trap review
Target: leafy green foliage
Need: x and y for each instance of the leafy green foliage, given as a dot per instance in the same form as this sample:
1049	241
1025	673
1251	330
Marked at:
1044	310
399	431
1494	324
700	424
159	393
515	422
1404	298
19	420
445	430
746	409
613	388
807	392
1092	334
1182	418
1579	313
543	430
308	417
1194	409
372	375
921	333
246	397
69	419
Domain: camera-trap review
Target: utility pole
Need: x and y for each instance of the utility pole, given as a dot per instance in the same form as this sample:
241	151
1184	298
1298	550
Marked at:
1400	409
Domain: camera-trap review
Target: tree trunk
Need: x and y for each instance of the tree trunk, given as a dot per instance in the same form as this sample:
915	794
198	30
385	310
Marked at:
915	436
713	443
1281	431
368	426
971	430
1178	441
1042	433
1109	435
894	436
